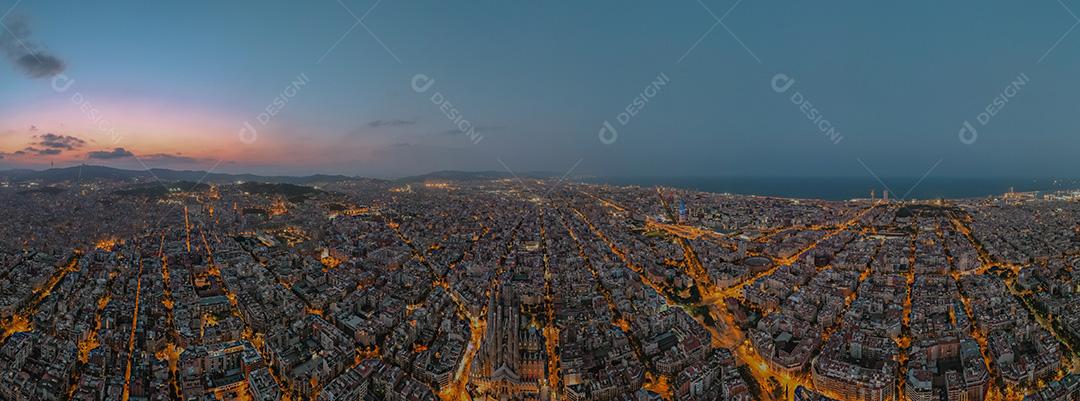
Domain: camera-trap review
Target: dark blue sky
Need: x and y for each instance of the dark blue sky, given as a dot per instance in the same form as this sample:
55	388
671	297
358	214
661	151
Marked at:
172	83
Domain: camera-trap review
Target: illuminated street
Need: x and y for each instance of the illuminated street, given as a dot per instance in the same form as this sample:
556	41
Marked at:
539	290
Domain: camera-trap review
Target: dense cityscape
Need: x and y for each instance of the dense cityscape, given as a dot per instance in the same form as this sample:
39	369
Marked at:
530	289
604	200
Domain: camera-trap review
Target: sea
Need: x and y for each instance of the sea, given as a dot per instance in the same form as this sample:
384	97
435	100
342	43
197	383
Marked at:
843	188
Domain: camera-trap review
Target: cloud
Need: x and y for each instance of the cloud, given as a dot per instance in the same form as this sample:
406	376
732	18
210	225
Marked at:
391	123
151	158
118	153
40	151
40	65
50	144
59	142
478	129
25	54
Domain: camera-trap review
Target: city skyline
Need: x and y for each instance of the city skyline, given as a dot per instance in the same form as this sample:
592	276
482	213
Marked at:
382	200
530	290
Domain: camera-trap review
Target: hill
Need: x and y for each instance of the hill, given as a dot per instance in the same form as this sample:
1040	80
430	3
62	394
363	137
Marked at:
88	172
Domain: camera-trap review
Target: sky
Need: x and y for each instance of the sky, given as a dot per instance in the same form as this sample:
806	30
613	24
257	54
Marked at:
610	88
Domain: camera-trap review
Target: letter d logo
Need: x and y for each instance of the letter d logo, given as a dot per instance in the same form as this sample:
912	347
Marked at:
247	134
781	83
608	134
421	83
968	134
61	83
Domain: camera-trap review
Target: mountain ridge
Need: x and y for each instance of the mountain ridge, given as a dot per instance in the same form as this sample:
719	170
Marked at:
92	172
